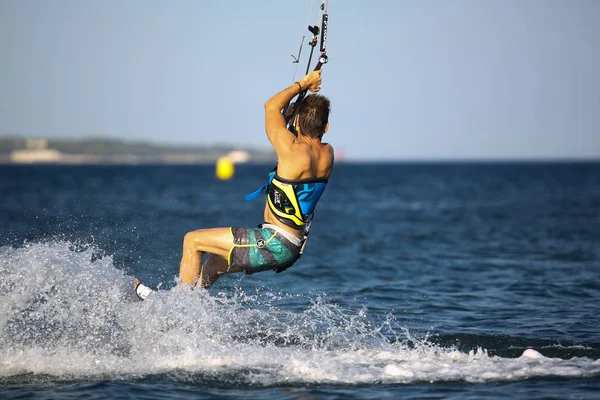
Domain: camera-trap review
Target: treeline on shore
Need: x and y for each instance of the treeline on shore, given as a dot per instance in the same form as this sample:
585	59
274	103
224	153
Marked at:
114	147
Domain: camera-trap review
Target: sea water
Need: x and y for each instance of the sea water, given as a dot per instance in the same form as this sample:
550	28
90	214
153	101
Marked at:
419	281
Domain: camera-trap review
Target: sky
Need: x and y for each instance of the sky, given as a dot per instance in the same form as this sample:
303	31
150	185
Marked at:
407	79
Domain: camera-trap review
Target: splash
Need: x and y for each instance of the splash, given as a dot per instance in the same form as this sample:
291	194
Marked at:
67	313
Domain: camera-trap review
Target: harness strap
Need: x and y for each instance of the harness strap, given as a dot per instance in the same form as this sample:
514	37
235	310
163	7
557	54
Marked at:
305	237
258	192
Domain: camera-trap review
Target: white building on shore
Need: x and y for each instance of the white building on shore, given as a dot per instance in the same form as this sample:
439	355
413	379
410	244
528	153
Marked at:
36	151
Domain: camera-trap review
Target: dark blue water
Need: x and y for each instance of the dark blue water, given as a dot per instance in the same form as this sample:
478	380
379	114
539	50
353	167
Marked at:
419	281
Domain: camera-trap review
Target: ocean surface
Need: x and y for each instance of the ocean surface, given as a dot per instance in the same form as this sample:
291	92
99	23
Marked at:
436	281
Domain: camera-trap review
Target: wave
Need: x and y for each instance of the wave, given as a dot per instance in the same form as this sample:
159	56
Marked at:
67	313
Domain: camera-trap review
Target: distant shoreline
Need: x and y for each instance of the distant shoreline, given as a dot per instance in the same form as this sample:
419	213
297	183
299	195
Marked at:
18	150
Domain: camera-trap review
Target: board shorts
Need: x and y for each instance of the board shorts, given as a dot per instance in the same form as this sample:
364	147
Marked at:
263	248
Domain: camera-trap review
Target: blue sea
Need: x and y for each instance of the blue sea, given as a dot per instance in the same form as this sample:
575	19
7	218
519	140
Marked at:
420	280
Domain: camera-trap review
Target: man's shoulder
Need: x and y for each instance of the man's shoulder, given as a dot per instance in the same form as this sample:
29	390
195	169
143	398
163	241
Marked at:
328	149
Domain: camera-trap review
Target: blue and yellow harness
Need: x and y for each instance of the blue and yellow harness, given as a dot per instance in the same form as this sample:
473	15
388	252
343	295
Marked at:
292	201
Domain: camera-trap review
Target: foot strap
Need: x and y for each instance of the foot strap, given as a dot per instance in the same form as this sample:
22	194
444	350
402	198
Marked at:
142	291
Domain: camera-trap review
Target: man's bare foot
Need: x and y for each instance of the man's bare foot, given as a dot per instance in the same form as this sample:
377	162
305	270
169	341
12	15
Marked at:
142	291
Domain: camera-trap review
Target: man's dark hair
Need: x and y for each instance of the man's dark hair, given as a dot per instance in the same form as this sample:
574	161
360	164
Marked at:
313	115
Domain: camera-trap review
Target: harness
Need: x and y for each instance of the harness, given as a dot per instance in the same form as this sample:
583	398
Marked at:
292	201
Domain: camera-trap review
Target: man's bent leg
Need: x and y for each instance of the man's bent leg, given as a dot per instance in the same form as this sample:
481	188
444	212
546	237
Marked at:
213	268
217	241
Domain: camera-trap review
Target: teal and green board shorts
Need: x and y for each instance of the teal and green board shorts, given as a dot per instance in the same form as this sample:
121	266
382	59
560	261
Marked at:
261	249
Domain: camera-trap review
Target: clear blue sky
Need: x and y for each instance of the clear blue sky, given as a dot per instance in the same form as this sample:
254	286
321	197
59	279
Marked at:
408	79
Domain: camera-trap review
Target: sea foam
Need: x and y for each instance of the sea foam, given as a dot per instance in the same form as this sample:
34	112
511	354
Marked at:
68	313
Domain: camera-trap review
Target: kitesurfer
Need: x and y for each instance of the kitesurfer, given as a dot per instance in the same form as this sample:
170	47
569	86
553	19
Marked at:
304	166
